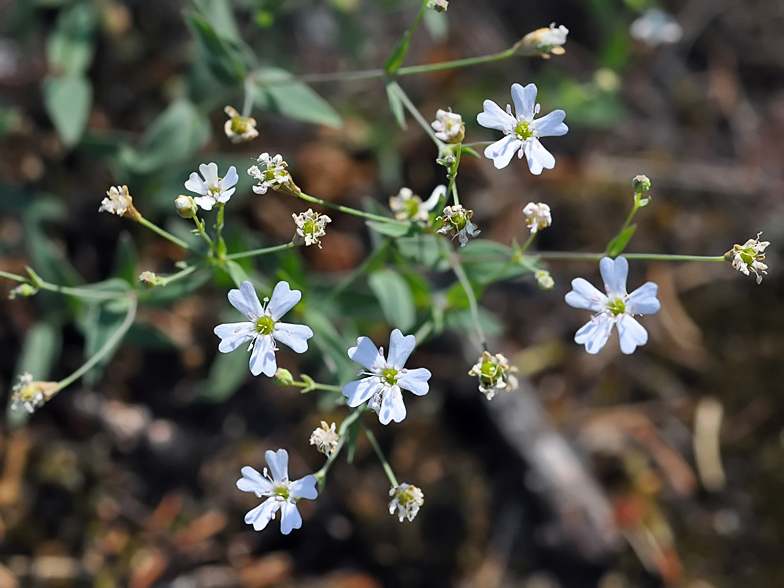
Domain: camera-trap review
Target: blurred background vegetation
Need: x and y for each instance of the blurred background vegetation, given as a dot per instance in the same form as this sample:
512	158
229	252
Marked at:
128	477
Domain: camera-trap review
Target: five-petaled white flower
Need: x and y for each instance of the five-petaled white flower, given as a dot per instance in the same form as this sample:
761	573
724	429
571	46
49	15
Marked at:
408	206
537	216
615	308
212	190
522	131
406	500
448	126
385	377
282	494
263	328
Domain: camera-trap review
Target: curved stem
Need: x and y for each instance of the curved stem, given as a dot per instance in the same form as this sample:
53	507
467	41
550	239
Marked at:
262	251
454	262
107	347
165	234
387	468
342	432
411	107
574	256
352	211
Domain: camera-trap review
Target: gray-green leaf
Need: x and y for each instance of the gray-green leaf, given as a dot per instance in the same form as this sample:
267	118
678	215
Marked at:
394	296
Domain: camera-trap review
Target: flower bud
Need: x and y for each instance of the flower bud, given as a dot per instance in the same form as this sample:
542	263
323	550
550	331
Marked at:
641	184
283	377
544	280
149	280
23	290
186	206
438	5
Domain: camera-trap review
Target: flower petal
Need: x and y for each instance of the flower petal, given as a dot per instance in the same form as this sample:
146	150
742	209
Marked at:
246	301
392	406
614	274
283	300
584	295
366	354
225	195
233	335
643	300
278	462
502	151
295	336
594	334
196	184
400	348
262	360
550	125
524	100
360	391
431	202
494	117
631	334
260	516
538	157
253	481
232	178
304	488
415	381
290	518
210	173
206	202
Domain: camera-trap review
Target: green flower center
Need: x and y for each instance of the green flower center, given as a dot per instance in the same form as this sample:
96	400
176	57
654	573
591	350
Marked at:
239	125
616	306
411	206
282	491
748	256
310	228
269	174
489	371
523	130
459	221
390	375
265	325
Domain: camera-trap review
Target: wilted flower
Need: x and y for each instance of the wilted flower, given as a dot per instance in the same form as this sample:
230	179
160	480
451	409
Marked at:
537	216
408	206
30	395
282	494
615	308
263	328
185	206
310	226
438	5
119	202
23	290
150	280
239	129
749	256
656	27
449	126
325	438
212	189
457	222
522	132
494	373
384	378
406	500
271	173
544	41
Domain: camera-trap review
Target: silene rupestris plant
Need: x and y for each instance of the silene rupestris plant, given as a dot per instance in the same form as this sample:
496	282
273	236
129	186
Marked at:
411	234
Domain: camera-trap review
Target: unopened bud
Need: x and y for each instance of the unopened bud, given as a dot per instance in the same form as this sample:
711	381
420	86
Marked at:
438	5
283	377
186	206
447	160
149	280
23	290
544	280
641	184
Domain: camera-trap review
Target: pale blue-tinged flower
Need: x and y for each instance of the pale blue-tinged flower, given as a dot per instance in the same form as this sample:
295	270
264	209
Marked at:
282	494
616	307
521	130
212	189
385	377
263	327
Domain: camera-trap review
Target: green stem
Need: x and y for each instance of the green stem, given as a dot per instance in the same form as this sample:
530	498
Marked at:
179	275
200	227
454	262
316	386
387	468
165	234
262	251
352	211
573	256
107	347
13	277
527	244
453	177
418	117
219	221
321	475
423	331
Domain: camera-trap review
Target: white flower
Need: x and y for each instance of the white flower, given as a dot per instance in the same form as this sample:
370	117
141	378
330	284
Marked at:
543	41
537	216
615	308
385	377
239	129
406	501
119	202
494	373
273	175
749	256
656	27
448	126
522	132
282	494
29	395
457	222
325	438
263	328
212	189
310	226
408	206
